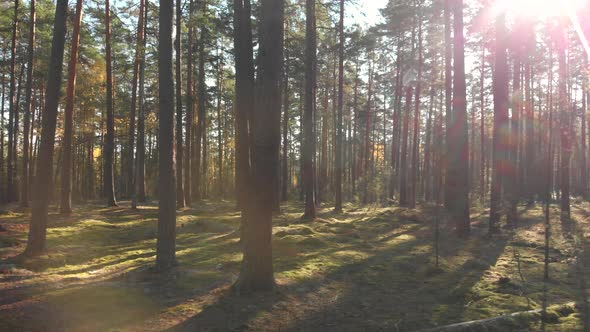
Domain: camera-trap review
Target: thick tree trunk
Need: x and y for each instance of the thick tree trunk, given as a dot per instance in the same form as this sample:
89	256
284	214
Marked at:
244	64
109	142
42	185
66	169
24	199
256	273
166	244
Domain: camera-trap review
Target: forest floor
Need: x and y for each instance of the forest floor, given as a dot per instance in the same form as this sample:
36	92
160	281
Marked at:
369	268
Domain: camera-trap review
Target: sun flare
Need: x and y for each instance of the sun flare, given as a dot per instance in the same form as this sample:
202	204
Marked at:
542	9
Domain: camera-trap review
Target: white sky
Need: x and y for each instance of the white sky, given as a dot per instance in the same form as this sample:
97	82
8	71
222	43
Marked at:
366	12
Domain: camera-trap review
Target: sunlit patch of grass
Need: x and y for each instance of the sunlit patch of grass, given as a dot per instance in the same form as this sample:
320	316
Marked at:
371	257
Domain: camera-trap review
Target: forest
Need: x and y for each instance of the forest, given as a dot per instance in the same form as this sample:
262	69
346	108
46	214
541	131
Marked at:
294	165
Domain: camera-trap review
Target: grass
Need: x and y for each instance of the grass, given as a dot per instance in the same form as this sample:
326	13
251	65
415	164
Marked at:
369	268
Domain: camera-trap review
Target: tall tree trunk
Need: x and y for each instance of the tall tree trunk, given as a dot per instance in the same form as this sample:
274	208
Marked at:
10	190
428	144
416	138
564	123
219	124
308	146
42	185
459	170
501	122
66	169
180	200
340	103
256	273
2	170
512	183
396	135
286	105
132	112
166	244
109	143
482	135
365	163
139	194
403	189
201	134
188	194
448	95
24	199
244	64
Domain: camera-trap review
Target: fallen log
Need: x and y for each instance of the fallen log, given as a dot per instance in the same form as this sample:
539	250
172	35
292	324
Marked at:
509	321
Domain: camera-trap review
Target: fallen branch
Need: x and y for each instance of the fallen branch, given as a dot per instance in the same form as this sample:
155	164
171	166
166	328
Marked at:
504	322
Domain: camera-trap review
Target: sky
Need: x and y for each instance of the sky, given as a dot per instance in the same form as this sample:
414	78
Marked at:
366	12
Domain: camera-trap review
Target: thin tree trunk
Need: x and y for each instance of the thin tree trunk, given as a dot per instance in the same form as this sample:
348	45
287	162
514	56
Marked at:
286	105
308	146
501	122
66	169
448	97
139	194
565	125
132	112
459	171
188	194
416	138
180	200
109	143
24	199
340	103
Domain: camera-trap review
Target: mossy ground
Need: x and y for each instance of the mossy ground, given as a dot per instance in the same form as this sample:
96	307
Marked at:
369	268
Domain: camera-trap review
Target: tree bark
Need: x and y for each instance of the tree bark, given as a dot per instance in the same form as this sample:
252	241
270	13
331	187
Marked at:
308	146
459	170
66	170
139	194
448	95
244	64
564	123
501	122
256	273
10	175
180	200
189	108
166	244
109	142
24	199
42	185
340	103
